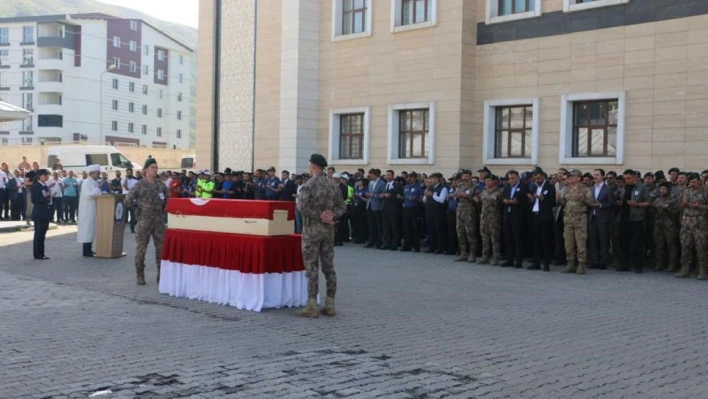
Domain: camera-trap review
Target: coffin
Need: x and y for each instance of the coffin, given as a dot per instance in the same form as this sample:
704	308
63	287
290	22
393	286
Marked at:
247	217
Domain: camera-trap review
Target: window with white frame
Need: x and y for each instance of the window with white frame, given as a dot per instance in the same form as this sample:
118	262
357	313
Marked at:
160	55
413	14
131	87
134	25
131	127
116	62
159	112
511	10
4	35
349	136
27	79
28	34
28	101
147	49
179	133
114	126
160	74
511	129
116	41
115	84
159	132
4	57
133	45
28	124
411	133
28	140
181	78
179	115
3	79
181	59
179	97
133	66
145	129
592	128
580	5
145	109
27	56
115	105
131	107
351	19
146	70
145	89
160	93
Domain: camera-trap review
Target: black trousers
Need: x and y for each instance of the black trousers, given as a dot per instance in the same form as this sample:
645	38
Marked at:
453	244
392	228
342	230
514	233
16	205
40	233
360	227
4	203
70	204
599	234
133	219
559	227
375	220
632	243
411	230
542	235
435	222
59	207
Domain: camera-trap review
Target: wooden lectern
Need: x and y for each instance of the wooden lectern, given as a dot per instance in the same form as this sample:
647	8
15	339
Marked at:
110	224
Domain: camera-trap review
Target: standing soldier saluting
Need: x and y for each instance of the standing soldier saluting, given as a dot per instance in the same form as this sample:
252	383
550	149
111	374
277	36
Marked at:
320	203
576	198
149	196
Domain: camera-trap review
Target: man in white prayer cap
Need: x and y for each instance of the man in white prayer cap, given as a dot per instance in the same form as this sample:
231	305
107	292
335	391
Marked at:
87	210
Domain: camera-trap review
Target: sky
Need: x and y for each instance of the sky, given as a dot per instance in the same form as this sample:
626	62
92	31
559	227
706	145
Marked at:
186	13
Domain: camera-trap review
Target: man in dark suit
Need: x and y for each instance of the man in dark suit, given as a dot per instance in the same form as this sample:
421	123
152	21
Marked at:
515	201
541	201
287	187
374	207
599	220
41	212
392	209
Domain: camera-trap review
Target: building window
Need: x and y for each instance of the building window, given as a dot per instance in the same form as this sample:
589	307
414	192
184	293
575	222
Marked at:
511	132
131	127
160	55
116	62
116	41
159	112
27	101
159	132
580	5
147	49
181	78
134	25
3	79
133	66
28	124
4	57
114	126
349	136
413	14
28	56
179	115
115	84
27	79
4	35
161	92
179	133
511	10
145	109
181	59
592	128
146	70
145	129
411	134
133	45
145	89
115	105
179	97
131	87
353	16
131	107
28	34
160	74
28	140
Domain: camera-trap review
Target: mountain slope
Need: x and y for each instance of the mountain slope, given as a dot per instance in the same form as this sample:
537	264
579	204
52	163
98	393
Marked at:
183	33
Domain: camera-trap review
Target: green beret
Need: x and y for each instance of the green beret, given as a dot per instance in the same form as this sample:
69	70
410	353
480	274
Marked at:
149	162
318	160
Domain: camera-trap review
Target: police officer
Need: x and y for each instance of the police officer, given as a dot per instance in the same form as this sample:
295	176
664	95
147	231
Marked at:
412	199
149	196
320	203
41	197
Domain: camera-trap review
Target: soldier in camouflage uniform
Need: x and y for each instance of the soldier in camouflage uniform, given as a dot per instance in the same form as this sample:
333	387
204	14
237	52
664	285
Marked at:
666	229
653	188
694	227
149	196
466	192
320	202
576	198
490	221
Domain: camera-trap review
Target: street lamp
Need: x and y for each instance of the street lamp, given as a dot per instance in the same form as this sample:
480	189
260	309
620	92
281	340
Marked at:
100	103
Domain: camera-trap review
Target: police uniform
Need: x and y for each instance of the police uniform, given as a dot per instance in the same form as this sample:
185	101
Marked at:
149	199
41	199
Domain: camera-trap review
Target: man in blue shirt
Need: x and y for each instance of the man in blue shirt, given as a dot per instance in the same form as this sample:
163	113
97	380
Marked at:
71	195
452	242
412	198
272	186
259	185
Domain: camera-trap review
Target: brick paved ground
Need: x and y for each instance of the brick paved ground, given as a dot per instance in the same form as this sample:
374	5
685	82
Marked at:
408	326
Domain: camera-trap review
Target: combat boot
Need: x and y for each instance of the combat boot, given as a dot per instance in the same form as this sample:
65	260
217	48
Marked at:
310	310
483	261
581	268
570	268
472	258
328	309
702	275
462	257
685	272
140	276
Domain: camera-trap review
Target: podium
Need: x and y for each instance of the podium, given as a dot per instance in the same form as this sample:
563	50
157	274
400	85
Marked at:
110	224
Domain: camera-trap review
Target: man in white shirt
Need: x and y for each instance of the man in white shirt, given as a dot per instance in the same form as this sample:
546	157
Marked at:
4	195
434	200
128	183
56	187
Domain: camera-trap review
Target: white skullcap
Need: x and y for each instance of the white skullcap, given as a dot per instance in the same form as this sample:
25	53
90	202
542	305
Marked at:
94	168
335	175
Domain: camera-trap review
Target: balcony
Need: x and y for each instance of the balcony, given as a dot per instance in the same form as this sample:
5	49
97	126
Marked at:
49	81
52	58
51	109
53	35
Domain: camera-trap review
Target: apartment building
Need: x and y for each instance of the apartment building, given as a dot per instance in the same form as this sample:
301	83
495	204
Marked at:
93	78
434	85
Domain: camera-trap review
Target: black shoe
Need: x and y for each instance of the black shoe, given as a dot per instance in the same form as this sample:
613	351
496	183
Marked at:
518	266
88	255
623	269
560	263
394	248
602	267
534	267
430	251
450	253
405	249
338	244
593	266
546	268
639	271
369	246
43	258
439	252
508	264
416	250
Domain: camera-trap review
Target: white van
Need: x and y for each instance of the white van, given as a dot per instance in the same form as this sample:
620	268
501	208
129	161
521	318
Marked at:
79	157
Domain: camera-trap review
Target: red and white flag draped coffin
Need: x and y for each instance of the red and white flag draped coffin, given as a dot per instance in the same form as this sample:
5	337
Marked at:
247	217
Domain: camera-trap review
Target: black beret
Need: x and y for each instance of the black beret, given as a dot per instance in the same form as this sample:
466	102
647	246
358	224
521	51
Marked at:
42	172
628	172
666	184
677	170
492	177
693	176
149	162
648	174
538	171
484	169
318	160
464	172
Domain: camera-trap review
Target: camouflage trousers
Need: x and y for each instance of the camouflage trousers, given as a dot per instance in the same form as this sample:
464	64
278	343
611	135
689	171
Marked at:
693	236
148	226
666	236
576	237
491	230
467	231
318	251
